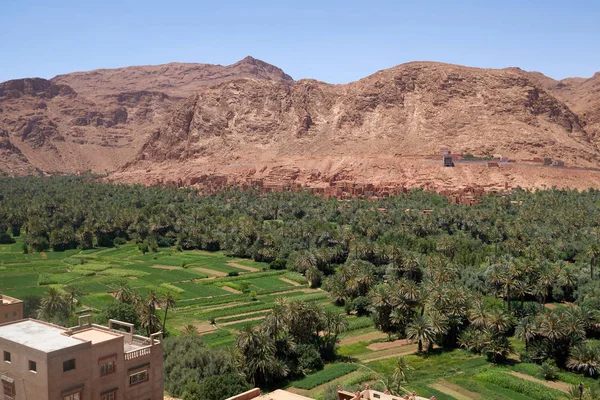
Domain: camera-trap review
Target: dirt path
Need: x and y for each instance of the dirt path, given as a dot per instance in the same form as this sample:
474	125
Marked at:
234	264
562	386
210	271
389	345
228	305
286	280
230	289
367	337
243	320
406	350
203	328
459	393
169	267
241	315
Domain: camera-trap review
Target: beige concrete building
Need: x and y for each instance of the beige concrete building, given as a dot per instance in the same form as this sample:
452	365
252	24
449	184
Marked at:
41	361
11	309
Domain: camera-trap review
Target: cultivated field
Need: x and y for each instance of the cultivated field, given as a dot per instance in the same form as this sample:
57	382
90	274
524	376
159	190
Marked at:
206	292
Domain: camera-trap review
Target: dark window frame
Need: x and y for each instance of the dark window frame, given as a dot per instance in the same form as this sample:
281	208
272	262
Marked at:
67	363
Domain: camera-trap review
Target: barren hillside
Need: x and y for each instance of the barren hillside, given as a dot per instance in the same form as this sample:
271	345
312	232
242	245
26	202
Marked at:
250	123
314	133
98	120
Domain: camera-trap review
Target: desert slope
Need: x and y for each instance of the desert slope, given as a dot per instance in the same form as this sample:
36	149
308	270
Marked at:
313	133
98	120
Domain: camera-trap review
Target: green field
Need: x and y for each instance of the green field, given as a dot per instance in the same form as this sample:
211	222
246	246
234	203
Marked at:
199	281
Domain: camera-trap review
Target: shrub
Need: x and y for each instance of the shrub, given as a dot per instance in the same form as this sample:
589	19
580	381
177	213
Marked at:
549	371
277	264
309	359
233	273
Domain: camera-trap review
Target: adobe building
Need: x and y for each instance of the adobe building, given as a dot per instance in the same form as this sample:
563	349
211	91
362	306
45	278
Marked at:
42	361
11	309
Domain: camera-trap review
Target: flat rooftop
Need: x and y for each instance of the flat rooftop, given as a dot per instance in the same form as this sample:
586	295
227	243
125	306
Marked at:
37	335
95	335
4	299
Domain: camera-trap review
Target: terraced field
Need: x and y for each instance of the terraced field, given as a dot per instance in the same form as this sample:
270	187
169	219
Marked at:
233	293
208	286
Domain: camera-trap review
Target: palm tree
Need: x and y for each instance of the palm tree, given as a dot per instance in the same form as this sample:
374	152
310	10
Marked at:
400	375
585	358
190	330
498	321
313	276
152	300
54	304
420	330
123	292
526	330
593	253
71	293
336	323
149	320
168	300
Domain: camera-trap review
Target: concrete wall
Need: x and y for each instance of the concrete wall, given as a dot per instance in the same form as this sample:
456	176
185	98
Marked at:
28	385
10	312
60	382
153	388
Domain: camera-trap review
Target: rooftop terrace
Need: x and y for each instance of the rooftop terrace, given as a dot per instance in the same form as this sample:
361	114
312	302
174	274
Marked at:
38	335
46	337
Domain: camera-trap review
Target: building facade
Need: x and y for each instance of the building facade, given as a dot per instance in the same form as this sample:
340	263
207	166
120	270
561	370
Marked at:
11	309
41	361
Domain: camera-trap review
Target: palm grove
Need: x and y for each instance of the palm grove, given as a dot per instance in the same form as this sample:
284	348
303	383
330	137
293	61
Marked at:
456	276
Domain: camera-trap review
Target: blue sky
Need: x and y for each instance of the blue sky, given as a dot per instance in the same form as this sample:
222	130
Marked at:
330	40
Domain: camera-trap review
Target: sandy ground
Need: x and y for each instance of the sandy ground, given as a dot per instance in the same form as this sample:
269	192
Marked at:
169	267
286	280
241	266
363	338
562	386
389	345
230	289
210	271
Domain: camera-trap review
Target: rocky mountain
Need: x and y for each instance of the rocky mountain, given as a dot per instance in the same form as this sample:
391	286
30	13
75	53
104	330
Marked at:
98	120
380	129
250	124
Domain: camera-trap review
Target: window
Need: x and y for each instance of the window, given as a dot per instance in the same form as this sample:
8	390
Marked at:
6	356
73	396
5	315
69	365
32	366
14	313
138	377
109	396
107	368
8	385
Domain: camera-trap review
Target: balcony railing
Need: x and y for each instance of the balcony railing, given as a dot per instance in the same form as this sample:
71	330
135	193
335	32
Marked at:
144	351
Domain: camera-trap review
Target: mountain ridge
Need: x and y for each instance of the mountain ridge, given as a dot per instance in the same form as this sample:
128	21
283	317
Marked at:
138	121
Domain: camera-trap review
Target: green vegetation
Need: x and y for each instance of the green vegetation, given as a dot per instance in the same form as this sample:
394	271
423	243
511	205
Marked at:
326	375
511	279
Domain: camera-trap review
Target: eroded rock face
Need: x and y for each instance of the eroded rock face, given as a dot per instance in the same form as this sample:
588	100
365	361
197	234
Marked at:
250	123
100	119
